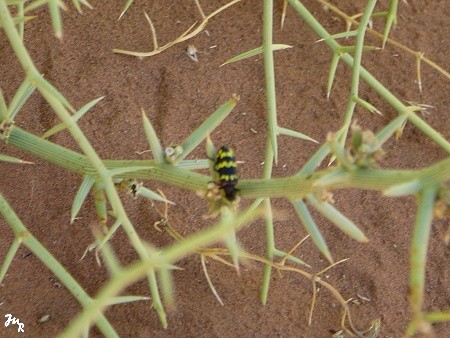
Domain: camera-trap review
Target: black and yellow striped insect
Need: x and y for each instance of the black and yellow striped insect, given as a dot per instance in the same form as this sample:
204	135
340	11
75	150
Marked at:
226	167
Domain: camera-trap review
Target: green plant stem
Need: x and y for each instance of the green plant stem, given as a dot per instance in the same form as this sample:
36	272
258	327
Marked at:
315	160
269	73
436	317
112	194
271	143
296	186
9	257
138	270
391	19
3	107
270	250
79	163
56	17
109	257
311	21
268	221
21	13
24	235
356	69
100	203
28	66
419	248
300	186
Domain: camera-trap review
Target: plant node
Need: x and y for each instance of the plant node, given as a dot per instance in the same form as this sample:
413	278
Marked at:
217	200
365	149
442	205
326	196
5	129
134	187
172	152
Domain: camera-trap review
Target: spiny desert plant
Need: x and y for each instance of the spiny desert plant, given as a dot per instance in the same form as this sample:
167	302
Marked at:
351	166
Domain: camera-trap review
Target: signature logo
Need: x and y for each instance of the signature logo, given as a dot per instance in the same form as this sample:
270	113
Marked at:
13	320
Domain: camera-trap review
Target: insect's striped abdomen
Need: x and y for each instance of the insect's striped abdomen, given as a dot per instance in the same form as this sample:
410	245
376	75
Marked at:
226	168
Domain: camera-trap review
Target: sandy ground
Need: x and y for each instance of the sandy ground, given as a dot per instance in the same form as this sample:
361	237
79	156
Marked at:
178	94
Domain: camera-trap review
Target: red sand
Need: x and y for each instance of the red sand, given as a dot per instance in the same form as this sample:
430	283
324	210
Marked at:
178	94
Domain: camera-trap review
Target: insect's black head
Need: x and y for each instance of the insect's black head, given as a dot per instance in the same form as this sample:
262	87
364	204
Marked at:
230	192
